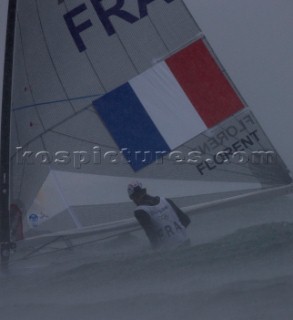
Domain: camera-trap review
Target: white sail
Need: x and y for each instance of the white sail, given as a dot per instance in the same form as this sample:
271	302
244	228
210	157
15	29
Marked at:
106	92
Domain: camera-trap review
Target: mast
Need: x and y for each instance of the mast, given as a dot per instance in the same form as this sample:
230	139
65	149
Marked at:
5	135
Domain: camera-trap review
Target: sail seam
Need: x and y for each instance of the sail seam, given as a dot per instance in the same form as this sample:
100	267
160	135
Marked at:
15	109
84	140
89	60
51	58
56	125
27	74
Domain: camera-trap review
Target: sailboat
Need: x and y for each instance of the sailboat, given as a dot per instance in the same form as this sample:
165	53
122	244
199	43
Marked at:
101	93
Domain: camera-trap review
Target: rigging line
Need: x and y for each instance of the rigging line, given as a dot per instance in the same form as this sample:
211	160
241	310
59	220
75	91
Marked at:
35	253
50	56
84	140
15	109
56	125
35	250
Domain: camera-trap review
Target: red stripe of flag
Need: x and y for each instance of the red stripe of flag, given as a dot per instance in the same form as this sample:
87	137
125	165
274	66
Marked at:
204	83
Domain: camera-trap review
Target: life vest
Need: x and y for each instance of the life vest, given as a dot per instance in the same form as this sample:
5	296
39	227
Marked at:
167	227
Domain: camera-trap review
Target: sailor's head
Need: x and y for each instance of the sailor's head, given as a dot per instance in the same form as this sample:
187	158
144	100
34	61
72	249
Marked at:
136	192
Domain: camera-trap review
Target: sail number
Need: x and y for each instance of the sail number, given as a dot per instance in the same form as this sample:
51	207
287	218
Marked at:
104	16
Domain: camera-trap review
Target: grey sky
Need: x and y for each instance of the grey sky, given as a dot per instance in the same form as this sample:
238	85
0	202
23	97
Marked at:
253	39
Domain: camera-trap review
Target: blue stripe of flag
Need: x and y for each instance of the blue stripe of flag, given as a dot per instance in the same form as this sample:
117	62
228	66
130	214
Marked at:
130	126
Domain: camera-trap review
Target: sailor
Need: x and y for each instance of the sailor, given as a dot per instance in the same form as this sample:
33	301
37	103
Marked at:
163	222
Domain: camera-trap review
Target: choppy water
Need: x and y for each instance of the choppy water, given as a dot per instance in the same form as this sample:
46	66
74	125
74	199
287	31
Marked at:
240	268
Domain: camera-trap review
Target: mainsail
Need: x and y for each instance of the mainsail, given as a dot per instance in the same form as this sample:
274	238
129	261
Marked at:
105	92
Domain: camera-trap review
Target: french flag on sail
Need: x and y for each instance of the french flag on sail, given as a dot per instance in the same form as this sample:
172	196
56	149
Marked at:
168	104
